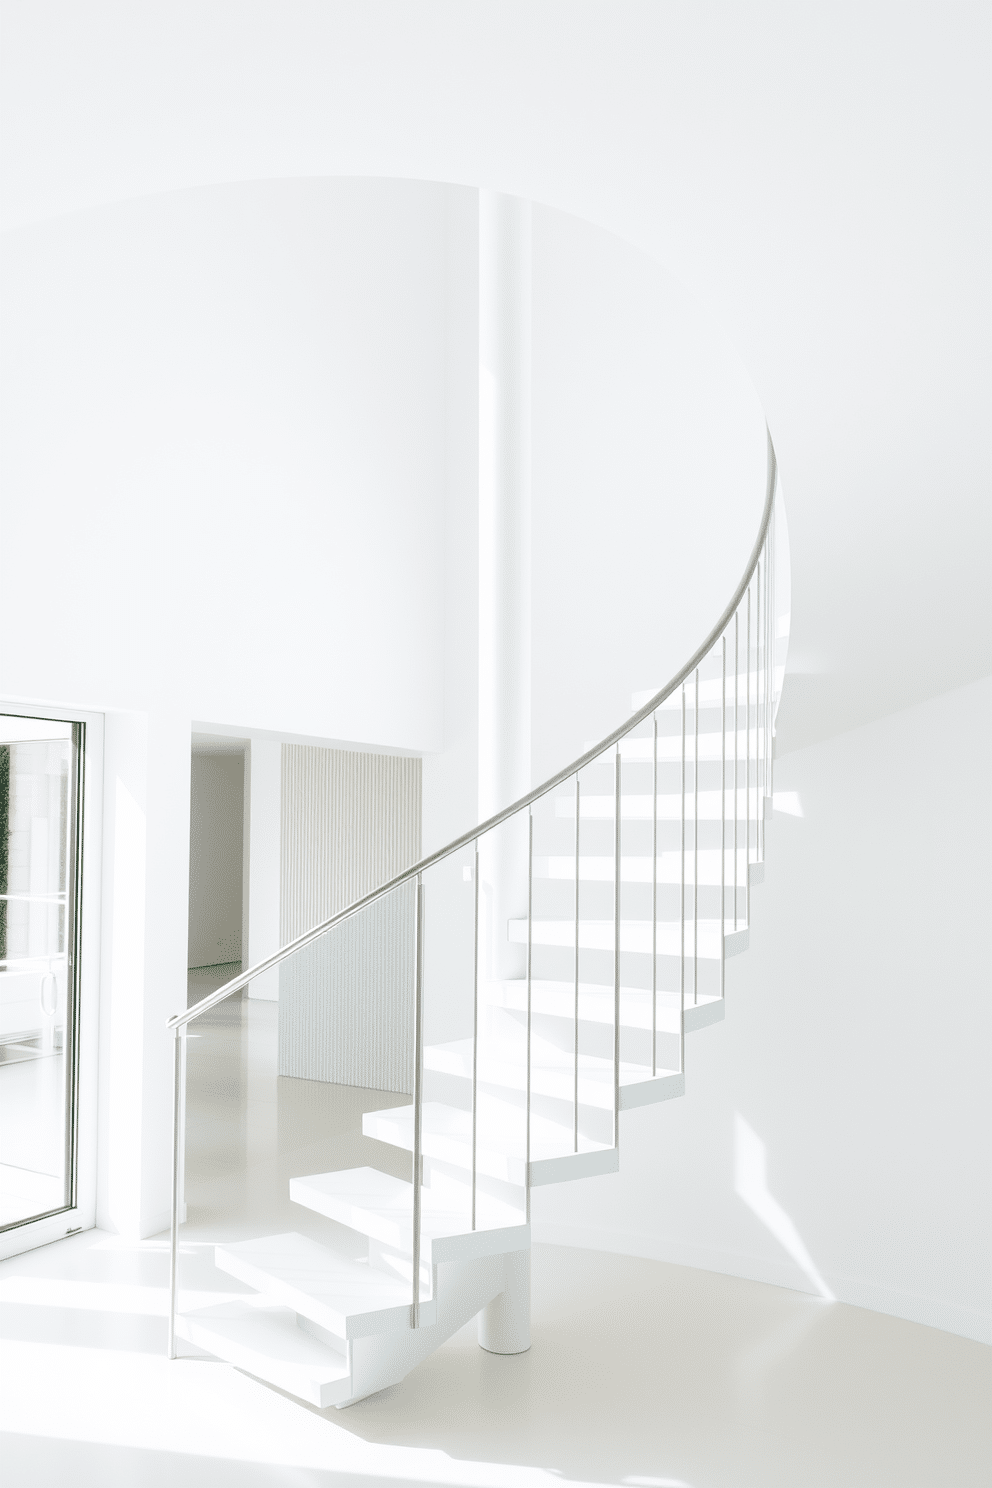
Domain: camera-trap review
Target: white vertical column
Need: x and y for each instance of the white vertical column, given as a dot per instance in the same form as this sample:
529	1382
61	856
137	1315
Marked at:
143	961
504	555
263	818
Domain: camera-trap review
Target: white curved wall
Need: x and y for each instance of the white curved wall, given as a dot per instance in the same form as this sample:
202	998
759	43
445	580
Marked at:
833	1131
650	460
224	457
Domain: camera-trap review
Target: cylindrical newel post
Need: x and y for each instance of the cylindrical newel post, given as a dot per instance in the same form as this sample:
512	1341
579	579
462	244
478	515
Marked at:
504	1325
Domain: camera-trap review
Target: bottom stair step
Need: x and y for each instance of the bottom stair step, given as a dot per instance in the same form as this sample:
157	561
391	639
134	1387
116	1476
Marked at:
265	1340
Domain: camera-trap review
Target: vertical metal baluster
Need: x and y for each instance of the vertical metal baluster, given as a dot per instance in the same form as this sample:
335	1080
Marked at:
769	618
682	906
177	1145
575	1040
759	760
617	829
475	1040
183	1093
773	671
747	774
654	904
769	653
418	1091
770	656
737	671
695	849
723	818
765	728
530	954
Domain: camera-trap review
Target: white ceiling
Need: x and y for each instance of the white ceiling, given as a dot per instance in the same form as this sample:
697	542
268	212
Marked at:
818	174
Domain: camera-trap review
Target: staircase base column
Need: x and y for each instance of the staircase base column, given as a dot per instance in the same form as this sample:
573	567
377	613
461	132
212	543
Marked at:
504	1323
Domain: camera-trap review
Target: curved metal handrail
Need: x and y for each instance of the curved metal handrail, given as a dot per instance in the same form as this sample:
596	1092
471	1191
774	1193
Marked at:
180	1020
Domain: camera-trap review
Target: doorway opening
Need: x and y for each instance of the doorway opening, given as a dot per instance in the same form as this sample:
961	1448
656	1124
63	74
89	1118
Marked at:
217	866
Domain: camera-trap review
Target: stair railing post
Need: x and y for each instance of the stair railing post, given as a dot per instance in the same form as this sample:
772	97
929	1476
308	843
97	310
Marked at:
766	735
530	989
575	1036
475	1036
759	774
747	774
695	848
617	829
723	818
178	1137
682	902
774	633
770	652
654	902
418	1092
737	672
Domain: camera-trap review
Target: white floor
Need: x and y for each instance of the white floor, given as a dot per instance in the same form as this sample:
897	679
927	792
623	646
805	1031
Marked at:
640	1374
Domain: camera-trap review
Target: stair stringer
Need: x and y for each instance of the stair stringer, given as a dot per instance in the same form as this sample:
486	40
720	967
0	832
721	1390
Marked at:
461	1289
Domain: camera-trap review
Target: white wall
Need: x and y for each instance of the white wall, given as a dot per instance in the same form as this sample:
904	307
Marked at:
649	480
216	858
350	822
854	1050
223	426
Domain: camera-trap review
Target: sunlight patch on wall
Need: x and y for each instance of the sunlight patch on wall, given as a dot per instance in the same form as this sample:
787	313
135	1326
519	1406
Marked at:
751	1185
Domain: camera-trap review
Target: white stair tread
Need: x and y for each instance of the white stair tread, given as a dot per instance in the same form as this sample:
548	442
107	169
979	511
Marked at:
638	869
596	1003
348	1298
266	1340
635	935
710	687
446	1135
639	808
381	1207
552	1070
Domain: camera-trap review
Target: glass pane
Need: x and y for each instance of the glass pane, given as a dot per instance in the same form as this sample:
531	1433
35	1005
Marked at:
37	874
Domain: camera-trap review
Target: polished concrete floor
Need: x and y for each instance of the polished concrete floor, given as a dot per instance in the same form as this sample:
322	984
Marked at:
641	1374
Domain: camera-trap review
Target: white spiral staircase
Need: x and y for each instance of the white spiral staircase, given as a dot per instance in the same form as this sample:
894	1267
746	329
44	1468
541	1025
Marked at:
636	864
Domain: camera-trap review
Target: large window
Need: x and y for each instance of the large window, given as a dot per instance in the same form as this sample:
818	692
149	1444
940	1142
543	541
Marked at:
41	794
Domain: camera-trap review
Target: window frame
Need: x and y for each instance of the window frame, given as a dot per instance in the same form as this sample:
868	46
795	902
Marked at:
82	987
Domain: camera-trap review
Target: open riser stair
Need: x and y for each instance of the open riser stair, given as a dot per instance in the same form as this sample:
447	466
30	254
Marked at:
634	893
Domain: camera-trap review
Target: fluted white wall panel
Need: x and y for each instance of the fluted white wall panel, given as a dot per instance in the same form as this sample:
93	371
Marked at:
349	822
